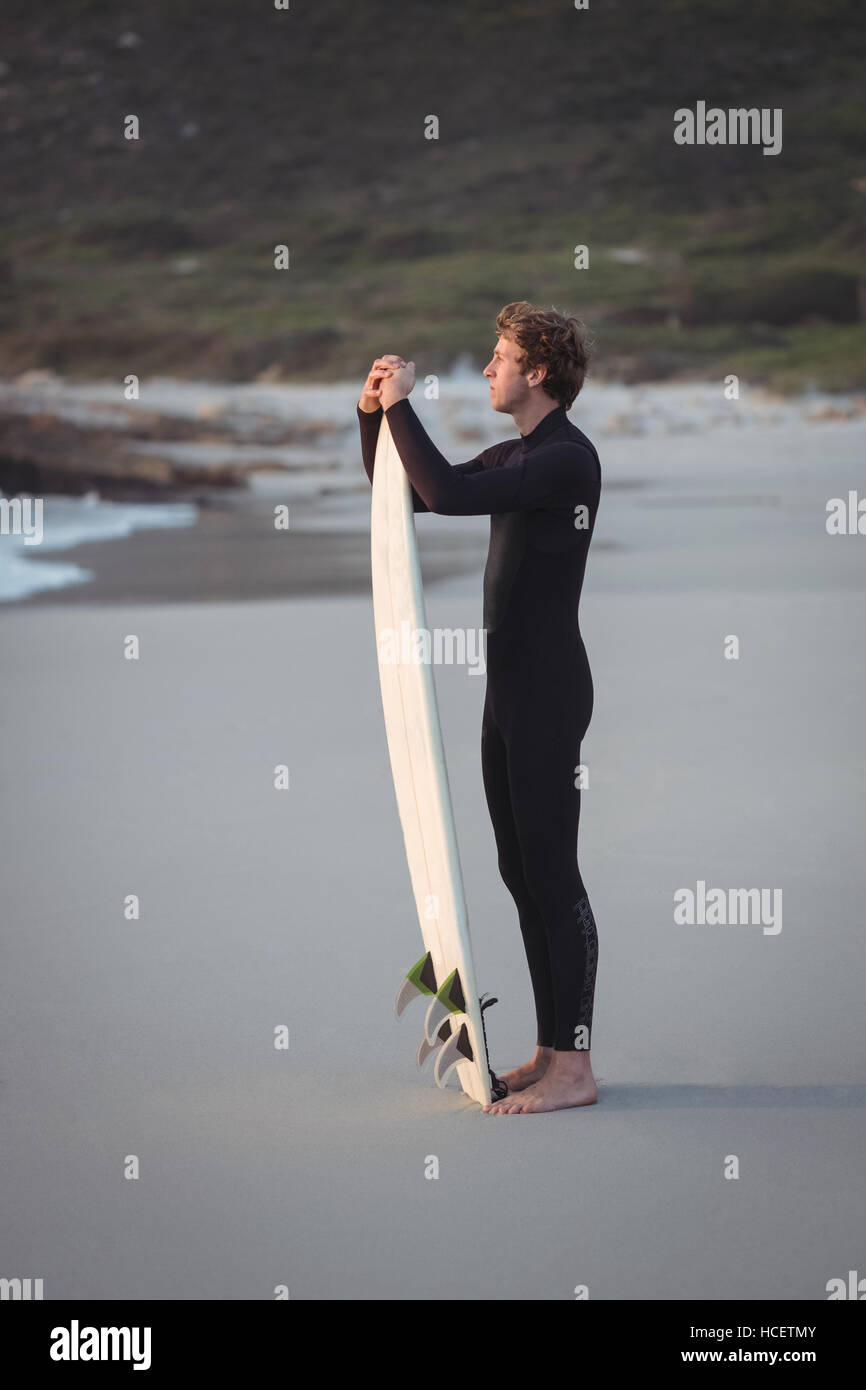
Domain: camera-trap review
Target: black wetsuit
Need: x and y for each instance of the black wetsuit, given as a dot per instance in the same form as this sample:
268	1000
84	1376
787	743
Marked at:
541	491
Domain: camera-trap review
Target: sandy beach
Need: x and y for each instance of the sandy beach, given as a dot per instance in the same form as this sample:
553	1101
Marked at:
262	908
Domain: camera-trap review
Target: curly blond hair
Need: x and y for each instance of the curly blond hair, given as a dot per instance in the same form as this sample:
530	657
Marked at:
548	339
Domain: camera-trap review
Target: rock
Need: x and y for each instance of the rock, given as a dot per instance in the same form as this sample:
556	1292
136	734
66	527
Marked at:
42	453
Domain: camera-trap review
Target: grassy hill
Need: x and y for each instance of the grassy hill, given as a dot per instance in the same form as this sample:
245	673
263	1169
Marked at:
306	127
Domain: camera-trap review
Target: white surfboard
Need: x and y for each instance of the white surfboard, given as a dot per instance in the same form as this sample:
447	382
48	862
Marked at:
453	1027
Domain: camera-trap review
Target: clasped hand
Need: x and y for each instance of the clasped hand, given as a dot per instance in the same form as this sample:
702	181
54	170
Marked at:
390	379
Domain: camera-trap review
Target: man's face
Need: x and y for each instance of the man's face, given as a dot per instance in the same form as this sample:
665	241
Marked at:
509	389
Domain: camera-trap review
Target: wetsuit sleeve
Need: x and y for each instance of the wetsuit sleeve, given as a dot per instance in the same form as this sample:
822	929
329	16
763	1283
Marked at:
369	421
562	472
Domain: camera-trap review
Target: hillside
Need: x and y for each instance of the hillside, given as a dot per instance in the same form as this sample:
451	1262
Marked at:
306	127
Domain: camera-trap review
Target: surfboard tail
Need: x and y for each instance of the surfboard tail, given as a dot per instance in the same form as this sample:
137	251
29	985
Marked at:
442	1035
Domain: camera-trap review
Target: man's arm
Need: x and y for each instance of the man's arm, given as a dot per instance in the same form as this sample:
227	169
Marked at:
370	420
564	471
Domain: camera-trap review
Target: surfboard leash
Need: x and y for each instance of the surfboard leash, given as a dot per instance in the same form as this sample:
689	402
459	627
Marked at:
498	1088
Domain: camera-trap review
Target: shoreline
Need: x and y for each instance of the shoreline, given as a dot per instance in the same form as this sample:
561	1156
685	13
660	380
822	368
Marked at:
232	552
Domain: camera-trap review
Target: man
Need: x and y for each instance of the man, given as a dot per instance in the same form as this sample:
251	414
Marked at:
541	491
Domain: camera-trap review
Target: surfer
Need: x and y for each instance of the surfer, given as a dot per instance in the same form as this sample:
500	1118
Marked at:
542	492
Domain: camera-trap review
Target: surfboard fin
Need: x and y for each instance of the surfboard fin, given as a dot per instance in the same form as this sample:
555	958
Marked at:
449	999
425	1048
421	979
457	1049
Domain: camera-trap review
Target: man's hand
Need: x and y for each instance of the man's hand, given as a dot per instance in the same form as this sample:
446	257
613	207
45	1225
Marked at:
398	385
381	370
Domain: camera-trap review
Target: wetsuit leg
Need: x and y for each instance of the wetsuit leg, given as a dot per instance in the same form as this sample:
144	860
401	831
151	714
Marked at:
541	732
494	768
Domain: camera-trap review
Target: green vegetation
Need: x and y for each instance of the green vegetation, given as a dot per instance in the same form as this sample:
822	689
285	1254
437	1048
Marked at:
305	127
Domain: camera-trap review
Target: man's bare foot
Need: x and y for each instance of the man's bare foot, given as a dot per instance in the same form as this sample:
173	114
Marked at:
522	1077
568	1082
